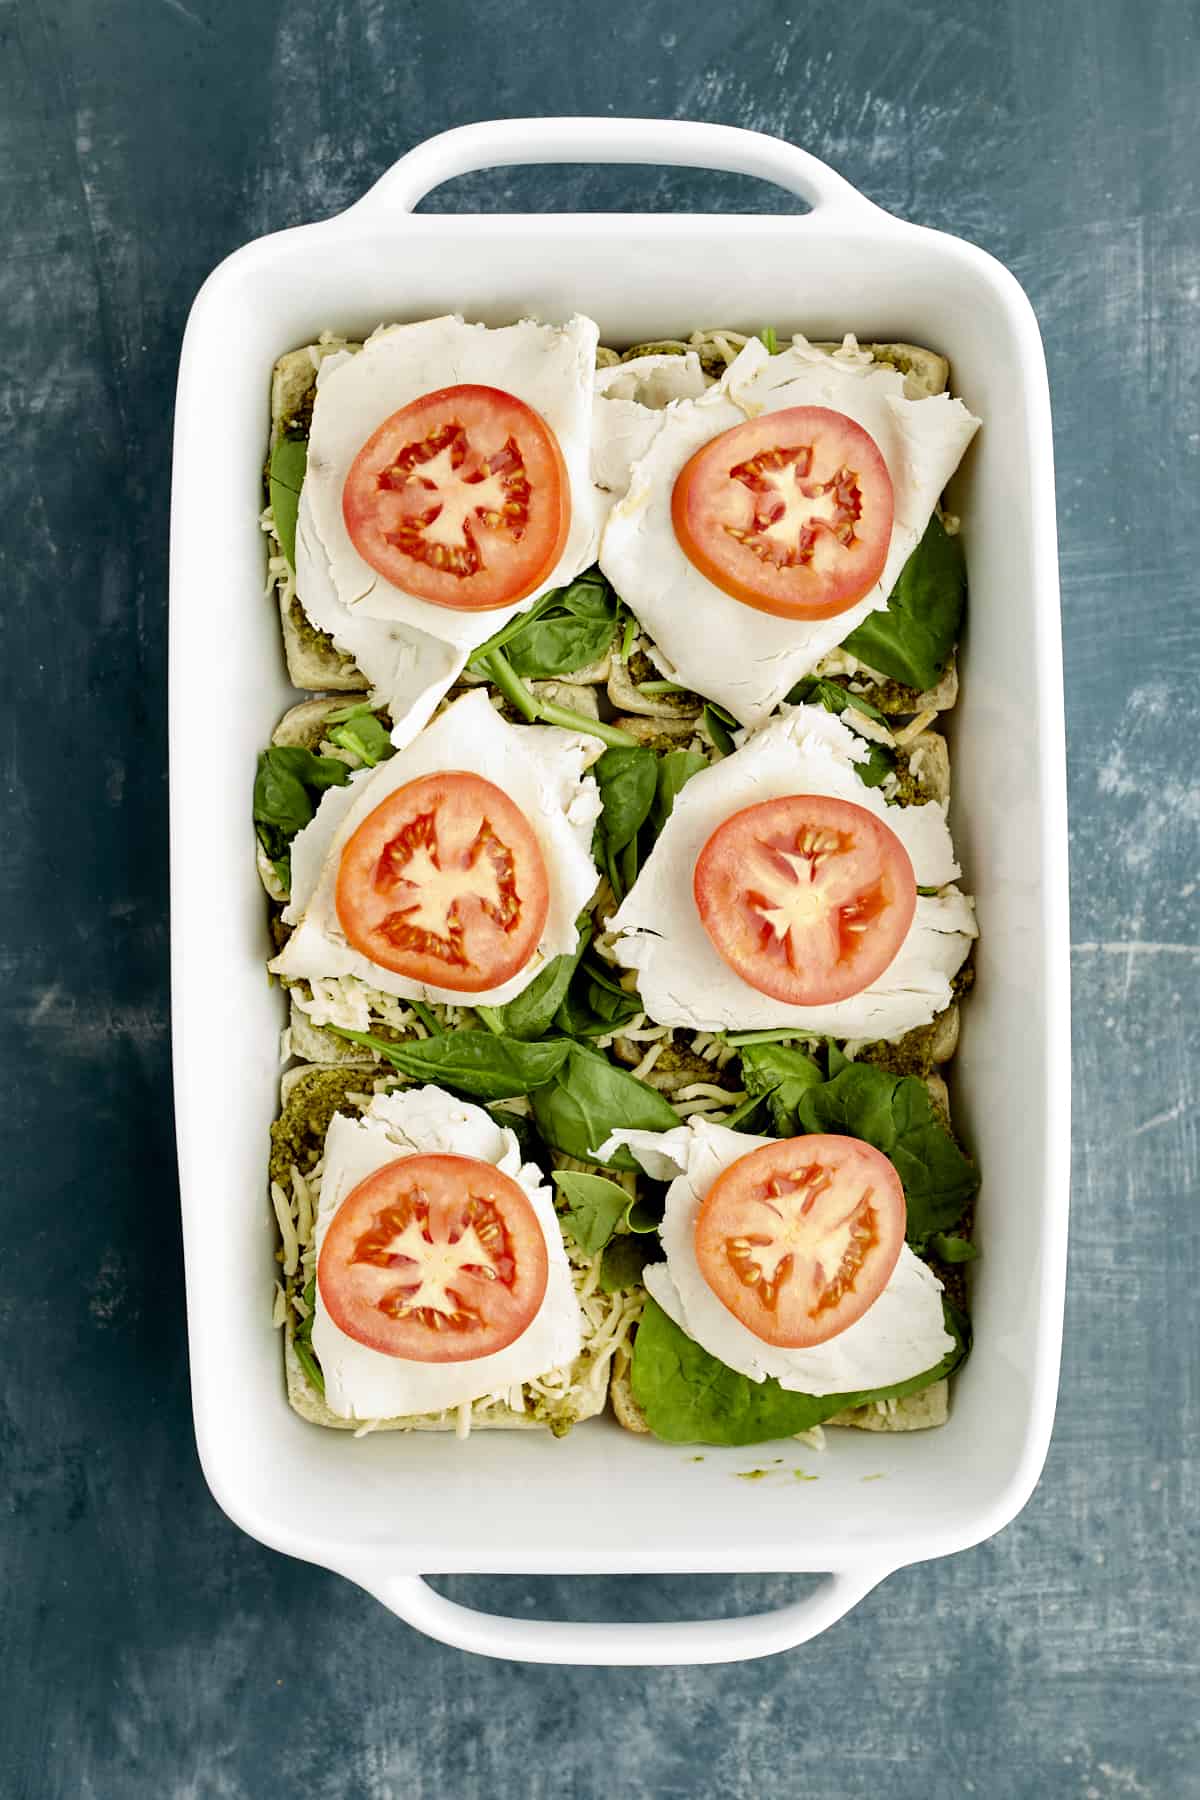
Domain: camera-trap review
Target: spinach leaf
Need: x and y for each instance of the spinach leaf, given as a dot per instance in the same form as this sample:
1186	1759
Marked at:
627	778
879	765
716	723
814	690
589	1097
598	1206
358	710
689	1397
595	1004
533	707
623	1262
913	639
302	1339
896	1114
280	798
316	772
745	1116
521	1126
570	628
675	770
470	1062
306	1356
783	1075
952	1249
366	737
565	629
289	460
531	1014
835	1059
595	1207
285	781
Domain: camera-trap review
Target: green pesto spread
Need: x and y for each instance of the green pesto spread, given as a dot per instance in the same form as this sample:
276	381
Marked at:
298	423
910	790
298	1135
664	347
889	354
910	1055
893	698
679	1059
312	637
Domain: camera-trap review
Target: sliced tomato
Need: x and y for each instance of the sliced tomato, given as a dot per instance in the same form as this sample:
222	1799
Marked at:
807	898
461	498
790	512
445	883
799	1238
435	1259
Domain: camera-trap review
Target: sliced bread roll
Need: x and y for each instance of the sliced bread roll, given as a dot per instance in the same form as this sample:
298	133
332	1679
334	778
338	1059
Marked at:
309	1098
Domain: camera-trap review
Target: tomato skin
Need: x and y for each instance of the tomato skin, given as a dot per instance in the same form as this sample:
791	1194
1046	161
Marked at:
445	883
803	461
426	458
799	1238
843	876
481	1291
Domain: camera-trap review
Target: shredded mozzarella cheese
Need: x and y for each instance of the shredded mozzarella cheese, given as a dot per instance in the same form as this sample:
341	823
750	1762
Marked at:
916	726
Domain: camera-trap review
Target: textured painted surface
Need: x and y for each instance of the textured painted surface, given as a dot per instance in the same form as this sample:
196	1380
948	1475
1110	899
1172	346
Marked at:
152	1651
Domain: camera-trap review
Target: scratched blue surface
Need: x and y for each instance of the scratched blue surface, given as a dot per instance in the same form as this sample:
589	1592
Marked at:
150	1650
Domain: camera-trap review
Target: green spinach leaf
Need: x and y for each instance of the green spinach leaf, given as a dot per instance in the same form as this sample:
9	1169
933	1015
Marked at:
573	627
595	1207
952	1249
531	1014
782	1075
595	1004
675	770
302	1339
627	778
289	460
913	639
896	1114
623	1262
521	1126
566	629
689	1397
717	723
470	1062
589	1097
285	782
366	737
598	1206
814	690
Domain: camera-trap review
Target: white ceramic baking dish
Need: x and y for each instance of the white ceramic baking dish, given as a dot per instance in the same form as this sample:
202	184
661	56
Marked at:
387	1508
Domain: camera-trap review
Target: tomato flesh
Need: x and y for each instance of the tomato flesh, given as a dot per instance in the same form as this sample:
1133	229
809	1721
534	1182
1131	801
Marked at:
791	513
445	883
461	498
434	1259
807	898
799	1238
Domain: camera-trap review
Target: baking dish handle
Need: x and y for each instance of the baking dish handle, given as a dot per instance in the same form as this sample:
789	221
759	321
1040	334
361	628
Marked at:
412	1599
686	143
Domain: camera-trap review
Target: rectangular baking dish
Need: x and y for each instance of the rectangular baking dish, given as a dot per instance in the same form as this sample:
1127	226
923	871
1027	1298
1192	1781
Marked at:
386	1509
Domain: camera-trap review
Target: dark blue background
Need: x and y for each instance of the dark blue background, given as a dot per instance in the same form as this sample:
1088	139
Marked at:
150	1650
